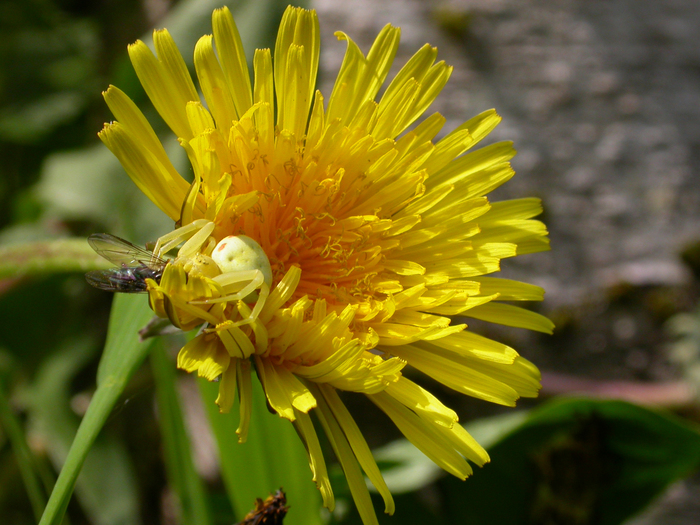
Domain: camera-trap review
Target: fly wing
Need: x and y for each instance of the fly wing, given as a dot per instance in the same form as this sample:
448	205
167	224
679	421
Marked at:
122	253
115	281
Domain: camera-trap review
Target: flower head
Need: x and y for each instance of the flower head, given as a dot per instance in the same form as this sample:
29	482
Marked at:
328	246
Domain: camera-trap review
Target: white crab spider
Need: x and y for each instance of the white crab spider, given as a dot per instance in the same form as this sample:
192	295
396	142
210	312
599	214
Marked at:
237	263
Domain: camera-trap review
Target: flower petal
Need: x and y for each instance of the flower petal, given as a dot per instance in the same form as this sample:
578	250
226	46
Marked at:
305	429
357	442
165	80
227	388
350	466
428	439
233	62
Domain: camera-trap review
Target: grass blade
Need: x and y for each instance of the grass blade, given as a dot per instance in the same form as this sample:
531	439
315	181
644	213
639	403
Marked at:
178	453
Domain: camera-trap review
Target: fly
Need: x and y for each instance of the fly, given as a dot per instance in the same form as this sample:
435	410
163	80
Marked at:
133	265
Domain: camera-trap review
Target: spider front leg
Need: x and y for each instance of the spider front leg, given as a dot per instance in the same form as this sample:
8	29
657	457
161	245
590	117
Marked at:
196	233
244	268
239	285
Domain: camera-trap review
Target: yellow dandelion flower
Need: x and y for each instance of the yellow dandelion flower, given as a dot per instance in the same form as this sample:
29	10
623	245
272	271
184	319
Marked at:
326	245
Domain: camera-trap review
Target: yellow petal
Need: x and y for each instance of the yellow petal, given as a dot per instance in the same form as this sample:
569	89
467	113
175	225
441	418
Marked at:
129	116
453	373
174	66
430	80
350	466
416	67
204	355
245	391
264	84
296	65
195	352
233	62
305	429
474	345
462	138
299	395
274	386
166	84
236	342
510	315
509	290
199	118
426	438
520	375
360	78
144	168
525	208
465	444
316	122
357	442
213	84
421	401
282	292
227	388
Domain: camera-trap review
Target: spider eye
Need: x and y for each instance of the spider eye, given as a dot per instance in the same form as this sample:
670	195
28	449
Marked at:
241	253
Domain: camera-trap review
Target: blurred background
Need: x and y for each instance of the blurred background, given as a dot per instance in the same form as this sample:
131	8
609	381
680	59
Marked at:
602	100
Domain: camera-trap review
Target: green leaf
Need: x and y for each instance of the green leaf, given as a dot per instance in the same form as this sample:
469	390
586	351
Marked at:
41	258
272	457
122	356
178	452
577	461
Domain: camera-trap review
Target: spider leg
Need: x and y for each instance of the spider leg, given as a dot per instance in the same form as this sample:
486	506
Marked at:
197	240
255	278
262	297
168	241
256	281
